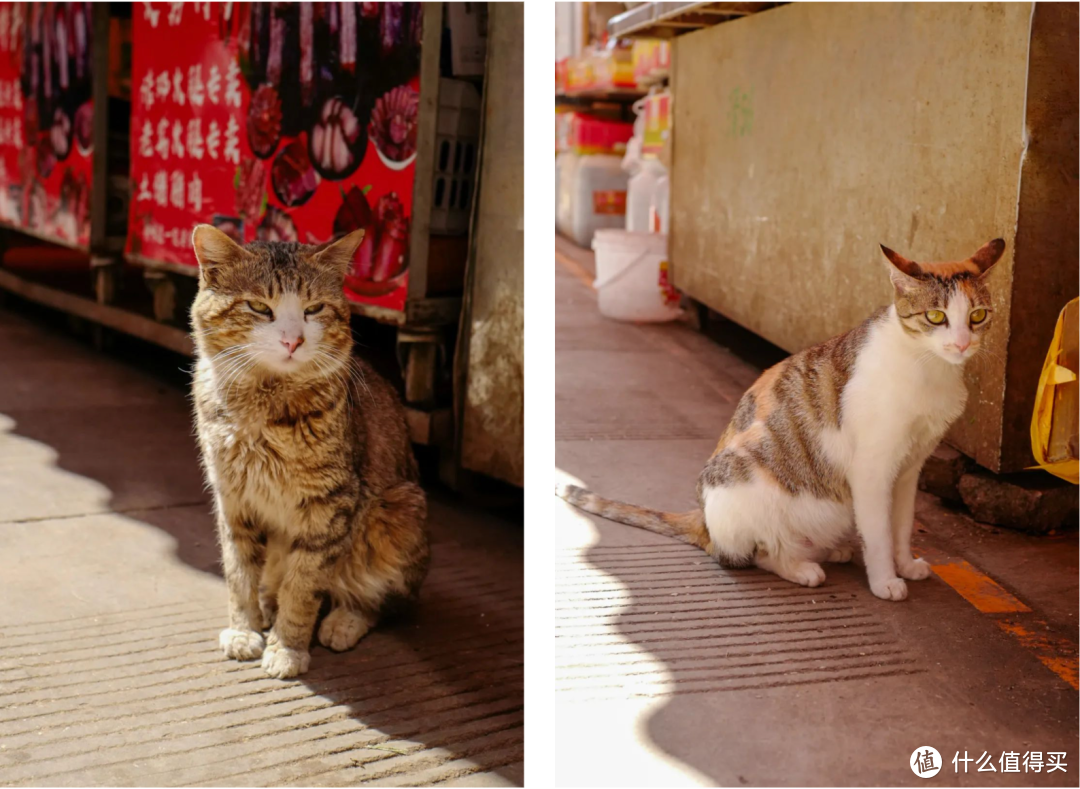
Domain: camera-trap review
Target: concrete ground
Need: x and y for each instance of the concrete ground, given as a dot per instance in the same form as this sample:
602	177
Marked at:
111	600
672	671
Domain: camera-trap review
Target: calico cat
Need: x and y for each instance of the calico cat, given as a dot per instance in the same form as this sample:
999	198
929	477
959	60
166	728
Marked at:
305	449
829	442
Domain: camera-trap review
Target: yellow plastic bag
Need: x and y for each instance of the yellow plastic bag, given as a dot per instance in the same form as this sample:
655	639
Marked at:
1053	376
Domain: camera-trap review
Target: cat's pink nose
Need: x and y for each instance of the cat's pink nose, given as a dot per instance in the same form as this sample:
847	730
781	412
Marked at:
963	346
292	345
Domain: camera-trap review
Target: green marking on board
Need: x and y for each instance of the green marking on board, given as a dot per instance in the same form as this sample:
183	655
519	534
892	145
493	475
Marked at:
741	113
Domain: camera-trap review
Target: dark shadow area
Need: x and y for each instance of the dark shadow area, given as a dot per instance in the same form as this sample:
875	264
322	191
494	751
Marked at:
751	348
436	694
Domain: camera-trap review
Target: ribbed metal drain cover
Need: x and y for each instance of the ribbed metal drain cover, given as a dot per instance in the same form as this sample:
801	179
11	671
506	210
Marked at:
657	620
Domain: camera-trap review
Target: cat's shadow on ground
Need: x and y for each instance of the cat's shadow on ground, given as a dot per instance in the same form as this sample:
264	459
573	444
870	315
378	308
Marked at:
442	683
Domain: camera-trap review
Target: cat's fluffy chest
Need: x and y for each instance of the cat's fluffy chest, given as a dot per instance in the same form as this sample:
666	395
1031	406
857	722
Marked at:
249	462
903	402
270	464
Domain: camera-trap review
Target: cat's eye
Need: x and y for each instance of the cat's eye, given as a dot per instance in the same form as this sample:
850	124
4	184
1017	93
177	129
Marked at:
260	307
936	317
978	316
314	309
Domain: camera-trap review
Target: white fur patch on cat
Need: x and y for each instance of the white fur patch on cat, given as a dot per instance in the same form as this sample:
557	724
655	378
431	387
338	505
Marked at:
241	644
282	663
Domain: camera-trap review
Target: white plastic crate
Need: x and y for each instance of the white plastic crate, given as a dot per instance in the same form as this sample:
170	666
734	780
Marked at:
457	143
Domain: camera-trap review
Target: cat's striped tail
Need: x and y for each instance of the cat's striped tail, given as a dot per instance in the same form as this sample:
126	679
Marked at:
689	527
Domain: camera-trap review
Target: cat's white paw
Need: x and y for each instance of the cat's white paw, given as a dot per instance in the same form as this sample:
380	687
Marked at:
241	644
915	570
341	629
809	574
282	662
890	589
841	554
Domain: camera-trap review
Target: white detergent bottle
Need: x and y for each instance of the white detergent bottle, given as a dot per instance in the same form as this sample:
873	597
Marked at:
640	196
658	213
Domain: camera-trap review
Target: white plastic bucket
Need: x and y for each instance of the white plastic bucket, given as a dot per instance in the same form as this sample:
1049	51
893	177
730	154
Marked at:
630	277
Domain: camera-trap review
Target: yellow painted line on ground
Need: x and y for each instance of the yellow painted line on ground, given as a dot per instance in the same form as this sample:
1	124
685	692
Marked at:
574	268
981	591
990	597
1053	652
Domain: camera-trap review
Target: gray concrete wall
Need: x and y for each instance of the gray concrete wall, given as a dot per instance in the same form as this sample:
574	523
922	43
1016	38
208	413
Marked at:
806	135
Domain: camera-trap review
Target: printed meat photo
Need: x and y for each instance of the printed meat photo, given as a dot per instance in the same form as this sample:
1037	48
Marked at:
393	126
337	140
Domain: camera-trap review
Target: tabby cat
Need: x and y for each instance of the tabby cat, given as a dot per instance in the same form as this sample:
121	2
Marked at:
305	448
829	443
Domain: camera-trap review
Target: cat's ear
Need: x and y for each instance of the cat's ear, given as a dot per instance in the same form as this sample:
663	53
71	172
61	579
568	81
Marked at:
214	249
338	255
988	254
904	273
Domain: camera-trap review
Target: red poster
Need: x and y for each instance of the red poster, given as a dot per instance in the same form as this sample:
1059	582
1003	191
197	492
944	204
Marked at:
46	120
277	121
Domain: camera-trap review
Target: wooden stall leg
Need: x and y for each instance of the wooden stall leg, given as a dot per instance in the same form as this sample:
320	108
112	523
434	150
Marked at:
421	353
163	289
420	372
106	272
106	278
423	358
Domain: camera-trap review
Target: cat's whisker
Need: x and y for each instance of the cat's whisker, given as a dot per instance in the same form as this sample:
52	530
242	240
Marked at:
354	366
338	369
238	367
224	369
225	366
240	375
326	370
345	376
236	349
231	348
